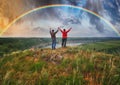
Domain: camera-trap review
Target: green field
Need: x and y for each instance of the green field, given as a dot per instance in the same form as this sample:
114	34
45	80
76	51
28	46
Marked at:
88	64
8	45
110	47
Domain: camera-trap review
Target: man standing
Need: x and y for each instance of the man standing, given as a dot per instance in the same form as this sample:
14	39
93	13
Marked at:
64	36
53	37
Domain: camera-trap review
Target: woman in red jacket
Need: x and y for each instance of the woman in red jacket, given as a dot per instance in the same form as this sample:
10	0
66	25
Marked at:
64	36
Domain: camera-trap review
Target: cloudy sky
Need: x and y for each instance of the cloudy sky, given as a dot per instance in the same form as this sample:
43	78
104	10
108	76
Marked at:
83	23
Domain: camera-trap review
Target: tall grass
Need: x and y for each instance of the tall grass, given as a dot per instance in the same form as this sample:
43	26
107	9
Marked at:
79	66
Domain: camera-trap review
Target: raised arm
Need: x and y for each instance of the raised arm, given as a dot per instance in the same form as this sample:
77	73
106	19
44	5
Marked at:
50	30
69	29
60	29
57	31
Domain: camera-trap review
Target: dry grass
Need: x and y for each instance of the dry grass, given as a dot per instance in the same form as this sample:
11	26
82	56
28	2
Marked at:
63	66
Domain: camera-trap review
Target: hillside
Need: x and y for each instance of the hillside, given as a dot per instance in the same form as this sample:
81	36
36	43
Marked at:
88	64
8	45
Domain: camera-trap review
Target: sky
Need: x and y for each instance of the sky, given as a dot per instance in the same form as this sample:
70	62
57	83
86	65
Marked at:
98	21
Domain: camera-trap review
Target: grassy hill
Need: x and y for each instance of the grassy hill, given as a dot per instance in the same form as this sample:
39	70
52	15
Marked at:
88	64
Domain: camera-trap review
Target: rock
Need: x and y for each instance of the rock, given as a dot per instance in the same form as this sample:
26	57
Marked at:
56	58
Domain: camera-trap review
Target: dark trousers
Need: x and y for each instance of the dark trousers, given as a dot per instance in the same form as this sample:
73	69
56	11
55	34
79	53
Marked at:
64	40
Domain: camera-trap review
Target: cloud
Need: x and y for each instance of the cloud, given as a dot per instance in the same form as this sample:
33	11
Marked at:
37	24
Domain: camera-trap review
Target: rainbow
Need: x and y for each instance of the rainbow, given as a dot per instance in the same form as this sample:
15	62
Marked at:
59	5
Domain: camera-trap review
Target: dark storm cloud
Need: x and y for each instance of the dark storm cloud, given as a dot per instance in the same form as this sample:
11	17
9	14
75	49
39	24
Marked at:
95	6
70	2
72	20
47	2
113	9
96	22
